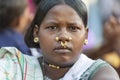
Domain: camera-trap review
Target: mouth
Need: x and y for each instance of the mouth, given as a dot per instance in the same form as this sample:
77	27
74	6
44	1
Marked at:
62	50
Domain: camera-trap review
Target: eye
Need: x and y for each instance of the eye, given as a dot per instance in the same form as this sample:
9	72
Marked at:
52	27
73	28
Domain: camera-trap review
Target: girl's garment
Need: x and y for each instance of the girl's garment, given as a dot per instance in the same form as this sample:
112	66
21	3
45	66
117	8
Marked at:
16	66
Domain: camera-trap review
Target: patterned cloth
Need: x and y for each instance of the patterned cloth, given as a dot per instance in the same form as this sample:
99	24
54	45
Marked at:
16	66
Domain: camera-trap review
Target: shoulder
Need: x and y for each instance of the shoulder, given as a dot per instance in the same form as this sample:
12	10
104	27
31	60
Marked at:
105	72
8	51
13	62
14	53
9	61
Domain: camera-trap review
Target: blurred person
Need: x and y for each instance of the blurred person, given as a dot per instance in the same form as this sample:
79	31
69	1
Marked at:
36	2
33	5
110	48
14	20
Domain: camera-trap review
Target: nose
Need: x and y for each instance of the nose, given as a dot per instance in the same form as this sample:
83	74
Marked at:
64	36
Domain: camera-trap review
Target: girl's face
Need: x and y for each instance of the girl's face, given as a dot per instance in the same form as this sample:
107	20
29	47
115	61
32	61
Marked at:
61	21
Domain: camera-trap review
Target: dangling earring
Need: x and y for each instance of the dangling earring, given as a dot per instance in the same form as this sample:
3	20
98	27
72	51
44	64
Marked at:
85	42
36	40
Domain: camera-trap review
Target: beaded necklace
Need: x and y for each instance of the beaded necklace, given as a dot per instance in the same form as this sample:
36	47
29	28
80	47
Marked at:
42	64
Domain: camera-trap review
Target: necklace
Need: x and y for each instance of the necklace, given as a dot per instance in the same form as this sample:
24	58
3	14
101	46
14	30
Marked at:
52	66
42	64
56	66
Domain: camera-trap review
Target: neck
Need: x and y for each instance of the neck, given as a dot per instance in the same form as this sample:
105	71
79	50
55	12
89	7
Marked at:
51	72
54	73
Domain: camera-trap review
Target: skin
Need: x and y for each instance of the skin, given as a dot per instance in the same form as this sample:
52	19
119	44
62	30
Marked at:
25	20
22	22
62	20
106	73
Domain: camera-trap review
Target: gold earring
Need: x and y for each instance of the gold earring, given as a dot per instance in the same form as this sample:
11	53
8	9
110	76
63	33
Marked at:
86	42
36	40
57	38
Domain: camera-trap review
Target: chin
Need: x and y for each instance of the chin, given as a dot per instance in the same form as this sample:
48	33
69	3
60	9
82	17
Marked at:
66	62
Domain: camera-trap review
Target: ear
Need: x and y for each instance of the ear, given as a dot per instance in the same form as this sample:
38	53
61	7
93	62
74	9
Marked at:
36	31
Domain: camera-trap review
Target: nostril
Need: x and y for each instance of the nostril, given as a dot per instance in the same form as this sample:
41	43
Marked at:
63	38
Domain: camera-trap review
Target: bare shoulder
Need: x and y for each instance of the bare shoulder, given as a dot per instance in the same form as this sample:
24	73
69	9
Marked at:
106	73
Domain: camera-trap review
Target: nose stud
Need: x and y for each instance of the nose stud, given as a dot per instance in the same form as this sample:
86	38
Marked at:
57	38
62	42
68	38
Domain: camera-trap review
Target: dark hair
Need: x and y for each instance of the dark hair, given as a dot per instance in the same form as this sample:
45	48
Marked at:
9	10
36	2
44	7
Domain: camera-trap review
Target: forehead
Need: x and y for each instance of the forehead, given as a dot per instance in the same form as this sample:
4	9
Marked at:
62	11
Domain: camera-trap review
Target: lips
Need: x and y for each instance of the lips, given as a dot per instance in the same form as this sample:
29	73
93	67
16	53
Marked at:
62	50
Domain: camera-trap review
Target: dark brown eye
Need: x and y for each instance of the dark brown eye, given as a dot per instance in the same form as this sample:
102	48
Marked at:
52	27
73	28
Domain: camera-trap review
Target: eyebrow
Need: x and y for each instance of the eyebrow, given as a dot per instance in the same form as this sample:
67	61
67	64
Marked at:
69	23
51	21
75	23
72	23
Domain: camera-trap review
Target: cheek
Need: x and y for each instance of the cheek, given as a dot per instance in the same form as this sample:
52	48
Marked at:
45	41
78	44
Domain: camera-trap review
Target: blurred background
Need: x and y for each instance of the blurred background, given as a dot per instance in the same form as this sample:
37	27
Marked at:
104	31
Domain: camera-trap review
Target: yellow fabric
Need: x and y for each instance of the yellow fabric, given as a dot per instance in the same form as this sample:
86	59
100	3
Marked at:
113	58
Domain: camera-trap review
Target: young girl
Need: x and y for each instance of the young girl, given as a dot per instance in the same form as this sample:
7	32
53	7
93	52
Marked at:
60	30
